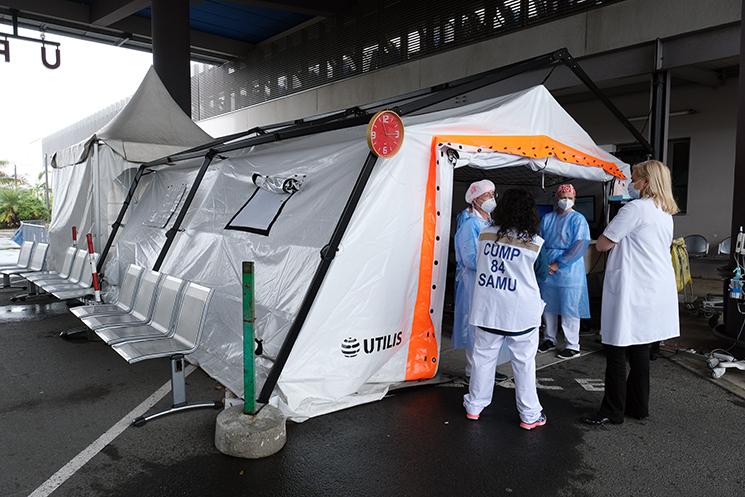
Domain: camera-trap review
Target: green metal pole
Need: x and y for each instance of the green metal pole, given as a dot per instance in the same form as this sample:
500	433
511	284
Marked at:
249	382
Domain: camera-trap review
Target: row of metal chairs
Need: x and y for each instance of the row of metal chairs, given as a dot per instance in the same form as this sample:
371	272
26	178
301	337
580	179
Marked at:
72	281
697	246
31	258
155	316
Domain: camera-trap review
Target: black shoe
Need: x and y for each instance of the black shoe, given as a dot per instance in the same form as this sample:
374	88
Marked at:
546	345
499	377
568	354
599	419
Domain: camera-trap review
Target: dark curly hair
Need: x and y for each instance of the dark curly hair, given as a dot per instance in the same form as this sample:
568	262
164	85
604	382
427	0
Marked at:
515	212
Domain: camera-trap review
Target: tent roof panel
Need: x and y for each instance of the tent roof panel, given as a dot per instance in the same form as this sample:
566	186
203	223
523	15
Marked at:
150	126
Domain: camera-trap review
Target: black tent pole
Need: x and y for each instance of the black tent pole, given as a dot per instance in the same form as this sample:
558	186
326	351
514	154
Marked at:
569	61
120	217
327	256
171	233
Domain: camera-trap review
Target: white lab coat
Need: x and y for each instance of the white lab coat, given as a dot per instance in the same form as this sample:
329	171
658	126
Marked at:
640	300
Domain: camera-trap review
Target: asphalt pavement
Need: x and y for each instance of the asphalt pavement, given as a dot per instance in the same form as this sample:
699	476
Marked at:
59	396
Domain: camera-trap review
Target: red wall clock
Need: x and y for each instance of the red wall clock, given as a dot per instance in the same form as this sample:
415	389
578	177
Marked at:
385	133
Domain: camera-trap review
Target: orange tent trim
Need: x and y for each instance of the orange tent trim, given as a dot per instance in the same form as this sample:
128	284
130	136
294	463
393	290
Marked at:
534	146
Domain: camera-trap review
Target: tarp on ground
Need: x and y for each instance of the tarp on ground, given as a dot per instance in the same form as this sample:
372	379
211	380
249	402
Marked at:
376	321
91	178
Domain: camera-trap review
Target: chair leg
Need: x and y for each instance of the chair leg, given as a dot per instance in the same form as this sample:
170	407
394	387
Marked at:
32	293
178	393
78	333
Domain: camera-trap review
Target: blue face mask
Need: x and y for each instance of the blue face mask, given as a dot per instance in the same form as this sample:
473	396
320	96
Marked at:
634	193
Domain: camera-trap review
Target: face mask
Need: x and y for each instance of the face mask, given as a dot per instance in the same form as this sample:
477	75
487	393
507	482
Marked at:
565	203
634	193
489	205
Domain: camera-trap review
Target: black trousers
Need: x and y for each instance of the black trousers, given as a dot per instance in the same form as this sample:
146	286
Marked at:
626	394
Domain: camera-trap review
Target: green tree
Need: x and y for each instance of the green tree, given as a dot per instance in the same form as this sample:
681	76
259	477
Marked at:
20	204
5	178
10	200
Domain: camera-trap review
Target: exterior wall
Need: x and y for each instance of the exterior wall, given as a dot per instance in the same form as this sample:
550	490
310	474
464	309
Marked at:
712	133
626	24
616	26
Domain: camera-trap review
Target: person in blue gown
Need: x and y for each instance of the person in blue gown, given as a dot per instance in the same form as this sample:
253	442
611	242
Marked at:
567	236
481	199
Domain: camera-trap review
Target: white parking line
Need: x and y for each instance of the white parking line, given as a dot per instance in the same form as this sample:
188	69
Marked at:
77	462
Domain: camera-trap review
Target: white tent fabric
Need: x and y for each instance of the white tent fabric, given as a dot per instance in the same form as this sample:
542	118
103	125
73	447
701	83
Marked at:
90	179
376	321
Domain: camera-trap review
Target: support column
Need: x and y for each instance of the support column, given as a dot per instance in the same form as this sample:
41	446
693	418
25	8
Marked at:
660	118
733	320
171	48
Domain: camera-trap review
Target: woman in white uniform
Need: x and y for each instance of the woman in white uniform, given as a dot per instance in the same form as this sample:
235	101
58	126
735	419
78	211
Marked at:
507	306
640	301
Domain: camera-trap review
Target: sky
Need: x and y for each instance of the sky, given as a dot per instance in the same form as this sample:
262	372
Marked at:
36	101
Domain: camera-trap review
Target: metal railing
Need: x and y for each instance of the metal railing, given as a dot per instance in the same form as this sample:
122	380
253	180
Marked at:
383	34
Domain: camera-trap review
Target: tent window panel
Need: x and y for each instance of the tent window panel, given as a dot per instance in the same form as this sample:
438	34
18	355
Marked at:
259	213
162	215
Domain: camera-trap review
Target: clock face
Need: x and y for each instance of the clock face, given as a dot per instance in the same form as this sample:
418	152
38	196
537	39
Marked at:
385	134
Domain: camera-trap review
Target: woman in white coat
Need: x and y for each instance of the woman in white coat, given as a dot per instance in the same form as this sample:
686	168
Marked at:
640	301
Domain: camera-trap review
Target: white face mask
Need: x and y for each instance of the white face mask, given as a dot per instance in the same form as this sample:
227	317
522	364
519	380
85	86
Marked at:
634	192
488	205
565	204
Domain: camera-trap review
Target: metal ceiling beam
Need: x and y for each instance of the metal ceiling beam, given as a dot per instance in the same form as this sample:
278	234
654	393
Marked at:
698	75
53	10
73	19
324	8
227	48
107	12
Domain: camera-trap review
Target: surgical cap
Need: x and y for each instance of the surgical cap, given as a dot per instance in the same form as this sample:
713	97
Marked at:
478	188
566	188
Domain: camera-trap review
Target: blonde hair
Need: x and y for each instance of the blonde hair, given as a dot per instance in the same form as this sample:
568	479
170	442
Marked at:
659	185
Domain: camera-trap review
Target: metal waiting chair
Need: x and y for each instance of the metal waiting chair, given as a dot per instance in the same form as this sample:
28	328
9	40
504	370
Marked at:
161	322
697	246
36	262
725	246
186	334
123	304
64	271
141	311
76	272
33	278
24	257
82	288
80	277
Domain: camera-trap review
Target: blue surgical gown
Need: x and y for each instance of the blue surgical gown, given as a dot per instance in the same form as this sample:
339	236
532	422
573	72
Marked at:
567	237
466	249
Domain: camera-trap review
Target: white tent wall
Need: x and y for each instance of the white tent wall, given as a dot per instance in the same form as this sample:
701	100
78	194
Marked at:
90	179
207	253
369	296
87	195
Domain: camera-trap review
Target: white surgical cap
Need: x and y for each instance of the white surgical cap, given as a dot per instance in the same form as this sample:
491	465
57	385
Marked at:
478	188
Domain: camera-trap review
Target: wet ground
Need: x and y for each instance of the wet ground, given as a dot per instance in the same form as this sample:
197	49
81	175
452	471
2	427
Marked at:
59	396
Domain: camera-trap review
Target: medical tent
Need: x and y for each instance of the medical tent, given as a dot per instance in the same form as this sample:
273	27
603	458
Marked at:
376	319
91	178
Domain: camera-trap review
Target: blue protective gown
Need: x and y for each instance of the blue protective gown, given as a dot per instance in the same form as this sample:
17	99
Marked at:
462	216
469	226
567	236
